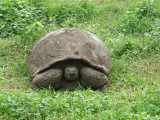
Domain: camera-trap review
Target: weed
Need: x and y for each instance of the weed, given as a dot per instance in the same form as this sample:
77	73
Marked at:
17	15
140	18
81	11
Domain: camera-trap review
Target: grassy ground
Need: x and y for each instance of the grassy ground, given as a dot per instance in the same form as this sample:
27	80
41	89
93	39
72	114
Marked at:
130	30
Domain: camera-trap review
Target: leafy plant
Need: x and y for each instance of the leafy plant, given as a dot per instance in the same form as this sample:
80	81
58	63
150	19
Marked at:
139	18
17	15
79	11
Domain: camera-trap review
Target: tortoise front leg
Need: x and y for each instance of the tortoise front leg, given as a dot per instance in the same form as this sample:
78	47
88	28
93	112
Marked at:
93	78
48	78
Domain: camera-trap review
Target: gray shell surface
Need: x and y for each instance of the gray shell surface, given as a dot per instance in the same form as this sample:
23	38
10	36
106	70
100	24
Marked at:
68	43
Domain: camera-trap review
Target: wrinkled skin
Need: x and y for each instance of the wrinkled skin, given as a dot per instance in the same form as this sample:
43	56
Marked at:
71	72
69	75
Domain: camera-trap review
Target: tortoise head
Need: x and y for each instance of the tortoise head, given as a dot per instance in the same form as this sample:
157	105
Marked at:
71	72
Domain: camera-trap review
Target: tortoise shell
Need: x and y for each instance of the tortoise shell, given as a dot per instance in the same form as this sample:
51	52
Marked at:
65	44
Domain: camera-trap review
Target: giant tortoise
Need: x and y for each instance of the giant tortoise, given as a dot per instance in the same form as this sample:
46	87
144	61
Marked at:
67	58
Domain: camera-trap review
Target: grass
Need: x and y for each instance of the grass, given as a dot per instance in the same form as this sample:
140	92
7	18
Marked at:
135	76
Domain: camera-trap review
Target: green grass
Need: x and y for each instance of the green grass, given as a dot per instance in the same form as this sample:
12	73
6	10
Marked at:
134	93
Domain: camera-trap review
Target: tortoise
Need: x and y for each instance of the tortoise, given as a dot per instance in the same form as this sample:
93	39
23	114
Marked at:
67	58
